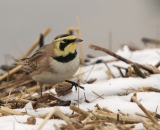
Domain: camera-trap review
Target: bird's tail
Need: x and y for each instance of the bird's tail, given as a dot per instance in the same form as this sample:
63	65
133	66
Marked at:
26	66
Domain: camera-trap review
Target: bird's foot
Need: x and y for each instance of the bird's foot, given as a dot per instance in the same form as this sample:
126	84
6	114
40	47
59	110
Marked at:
74	84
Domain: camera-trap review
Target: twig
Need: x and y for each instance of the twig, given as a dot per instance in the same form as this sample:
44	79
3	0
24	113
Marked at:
142	115
44	33
120	71
73	115
96	121
77	123
57	128
78	92
78	110
59	114
8	97
107	110
145	111
24	100
109	61
129	72
97	98
90	70
64	117
91	115
92	80
151	89
120	67
49	115
97	94
77	29
138	71
79	73
149	40
131	46
120	112
109	70
111	116
10	72
9	111
14	83
98	107
110	76
116	56
158	64
152	68
80	44
71	29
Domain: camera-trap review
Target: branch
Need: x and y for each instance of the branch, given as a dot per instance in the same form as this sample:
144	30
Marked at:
117	56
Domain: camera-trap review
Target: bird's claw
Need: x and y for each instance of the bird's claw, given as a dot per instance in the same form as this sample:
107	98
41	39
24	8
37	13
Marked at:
74	84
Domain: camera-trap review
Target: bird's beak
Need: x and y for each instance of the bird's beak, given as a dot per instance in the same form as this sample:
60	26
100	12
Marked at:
78	40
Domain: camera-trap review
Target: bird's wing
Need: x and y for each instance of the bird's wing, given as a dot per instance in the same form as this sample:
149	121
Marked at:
31	64
38	54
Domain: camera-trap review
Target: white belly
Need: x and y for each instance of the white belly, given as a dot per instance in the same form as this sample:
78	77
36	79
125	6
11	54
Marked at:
63	71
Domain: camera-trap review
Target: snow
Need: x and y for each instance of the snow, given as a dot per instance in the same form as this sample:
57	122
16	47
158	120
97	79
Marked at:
109	88
10	123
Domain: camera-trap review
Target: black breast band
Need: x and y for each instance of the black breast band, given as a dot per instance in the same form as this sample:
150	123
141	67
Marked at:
66	58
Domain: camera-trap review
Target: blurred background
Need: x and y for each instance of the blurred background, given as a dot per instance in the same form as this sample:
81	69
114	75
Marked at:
106	23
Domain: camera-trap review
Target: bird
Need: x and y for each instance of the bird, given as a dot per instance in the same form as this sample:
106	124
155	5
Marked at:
55	62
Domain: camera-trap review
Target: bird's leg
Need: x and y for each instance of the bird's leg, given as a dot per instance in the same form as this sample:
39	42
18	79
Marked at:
74	84
41	85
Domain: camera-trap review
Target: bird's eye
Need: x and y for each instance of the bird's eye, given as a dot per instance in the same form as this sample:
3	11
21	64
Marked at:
65	40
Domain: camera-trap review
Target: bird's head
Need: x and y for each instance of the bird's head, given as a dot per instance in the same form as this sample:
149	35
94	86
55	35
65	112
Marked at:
65	44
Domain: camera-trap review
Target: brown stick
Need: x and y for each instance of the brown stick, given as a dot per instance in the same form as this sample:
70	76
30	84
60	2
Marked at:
120	71
109	70
14	83
151	89
144	110
78	110
138	71
131	46
77	29
124	119
44	33
112	60
71	29
116	56
59	113
97	94
152	68
49	115
109	74
80	44
9	111
153	41
10	72
142	115
158	64
79	73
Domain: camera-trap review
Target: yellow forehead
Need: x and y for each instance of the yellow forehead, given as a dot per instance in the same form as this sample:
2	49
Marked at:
68	38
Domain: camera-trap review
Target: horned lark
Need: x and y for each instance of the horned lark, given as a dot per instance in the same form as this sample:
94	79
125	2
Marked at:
54	62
